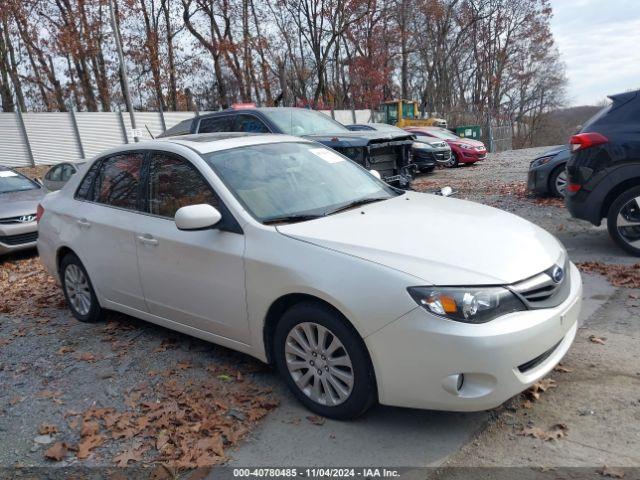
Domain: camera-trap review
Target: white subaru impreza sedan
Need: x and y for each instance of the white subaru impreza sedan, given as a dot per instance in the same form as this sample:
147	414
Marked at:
285	250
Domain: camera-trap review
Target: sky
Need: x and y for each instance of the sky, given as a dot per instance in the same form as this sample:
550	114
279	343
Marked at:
599	43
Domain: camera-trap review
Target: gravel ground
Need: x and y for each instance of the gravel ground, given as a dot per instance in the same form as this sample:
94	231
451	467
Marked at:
54	370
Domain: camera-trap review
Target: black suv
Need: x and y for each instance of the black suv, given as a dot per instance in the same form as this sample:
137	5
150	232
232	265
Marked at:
387	152
604	171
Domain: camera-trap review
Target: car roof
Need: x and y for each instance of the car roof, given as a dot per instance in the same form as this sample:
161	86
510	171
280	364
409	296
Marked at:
211	142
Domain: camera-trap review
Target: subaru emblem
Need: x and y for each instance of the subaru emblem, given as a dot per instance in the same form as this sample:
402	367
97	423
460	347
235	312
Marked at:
557	274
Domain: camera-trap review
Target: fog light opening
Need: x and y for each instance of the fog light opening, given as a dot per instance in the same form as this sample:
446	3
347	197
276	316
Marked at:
460	382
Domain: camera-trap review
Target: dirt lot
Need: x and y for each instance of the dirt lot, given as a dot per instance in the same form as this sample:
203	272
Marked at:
129	393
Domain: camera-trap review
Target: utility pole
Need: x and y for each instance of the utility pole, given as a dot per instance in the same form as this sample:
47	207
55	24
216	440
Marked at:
123	71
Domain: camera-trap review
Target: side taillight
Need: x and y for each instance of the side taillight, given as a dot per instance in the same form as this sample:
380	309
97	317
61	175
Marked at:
582	141
39	212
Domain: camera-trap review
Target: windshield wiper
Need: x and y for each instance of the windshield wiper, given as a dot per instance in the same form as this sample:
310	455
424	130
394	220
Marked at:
356	203
291	218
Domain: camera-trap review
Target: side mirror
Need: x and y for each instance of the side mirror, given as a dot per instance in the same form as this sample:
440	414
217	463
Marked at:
197	217
38	181
376	174
446	191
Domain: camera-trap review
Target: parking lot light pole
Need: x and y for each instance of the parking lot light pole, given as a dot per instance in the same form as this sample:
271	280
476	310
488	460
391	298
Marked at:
123	71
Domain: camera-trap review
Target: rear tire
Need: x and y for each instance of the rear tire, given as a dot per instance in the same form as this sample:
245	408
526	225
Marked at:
558	181
333	378
623	221
78	291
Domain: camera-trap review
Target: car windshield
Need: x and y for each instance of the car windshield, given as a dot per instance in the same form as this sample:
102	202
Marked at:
11	181
443	134
295	181
304	122
425	139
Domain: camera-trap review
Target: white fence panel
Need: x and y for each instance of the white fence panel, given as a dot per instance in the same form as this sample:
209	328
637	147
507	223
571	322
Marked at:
52	137
150	119
343	116
13	150
99	131
363	116
172	118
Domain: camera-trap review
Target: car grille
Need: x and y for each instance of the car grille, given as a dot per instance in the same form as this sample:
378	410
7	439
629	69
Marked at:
533	363
441	156
18	219
541	291
19	239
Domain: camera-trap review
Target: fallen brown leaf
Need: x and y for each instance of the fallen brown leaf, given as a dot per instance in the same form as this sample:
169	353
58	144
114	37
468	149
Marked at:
557	431
316	420
618	275
131	455
611	472
598	340
64	349
562	369
47	429
57	451
87	444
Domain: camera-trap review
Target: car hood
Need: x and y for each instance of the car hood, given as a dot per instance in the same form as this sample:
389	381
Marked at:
361	138
440	240
466	141
554	151
25	202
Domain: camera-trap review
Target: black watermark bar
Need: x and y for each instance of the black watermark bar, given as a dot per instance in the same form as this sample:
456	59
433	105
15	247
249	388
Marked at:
161	472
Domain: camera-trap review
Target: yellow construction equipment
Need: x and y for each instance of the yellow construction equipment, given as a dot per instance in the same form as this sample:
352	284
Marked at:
404	113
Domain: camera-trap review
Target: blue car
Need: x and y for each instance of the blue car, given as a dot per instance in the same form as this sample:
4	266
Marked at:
547	173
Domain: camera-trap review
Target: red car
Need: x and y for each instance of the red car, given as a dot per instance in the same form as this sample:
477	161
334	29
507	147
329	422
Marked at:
463	150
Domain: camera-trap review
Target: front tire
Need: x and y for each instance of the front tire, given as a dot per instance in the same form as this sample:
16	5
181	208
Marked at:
558	182
452	162
324	362
78	290
623	221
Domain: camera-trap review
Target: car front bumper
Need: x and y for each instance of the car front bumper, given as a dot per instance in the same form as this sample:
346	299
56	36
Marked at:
17	236
471	156
538	180
416	357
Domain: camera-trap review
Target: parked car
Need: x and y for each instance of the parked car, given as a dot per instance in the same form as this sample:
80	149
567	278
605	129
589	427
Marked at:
426	152
59	175
547	173
378	127
283	249
604	171
386	152
19	197
463	150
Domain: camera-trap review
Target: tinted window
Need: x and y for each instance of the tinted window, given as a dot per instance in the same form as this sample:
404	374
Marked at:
174	183
55	174
85	191
118	180
250	124
299	121
67	171
216	124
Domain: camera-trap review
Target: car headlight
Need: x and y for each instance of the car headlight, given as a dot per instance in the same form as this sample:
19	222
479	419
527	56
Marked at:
541	161
420	145
467	304
353	153
465	146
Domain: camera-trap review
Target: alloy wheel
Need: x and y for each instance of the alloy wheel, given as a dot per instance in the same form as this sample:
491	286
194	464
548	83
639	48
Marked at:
319	364
561	183
628	222
77	287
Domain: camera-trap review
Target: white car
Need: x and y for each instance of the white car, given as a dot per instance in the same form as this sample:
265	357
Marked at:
285	250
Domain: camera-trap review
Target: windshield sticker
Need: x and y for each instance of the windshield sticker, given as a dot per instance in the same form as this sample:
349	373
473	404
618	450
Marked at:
8	173
327	155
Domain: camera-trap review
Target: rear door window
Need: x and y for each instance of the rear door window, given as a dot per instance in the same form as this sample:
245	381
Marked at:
118	180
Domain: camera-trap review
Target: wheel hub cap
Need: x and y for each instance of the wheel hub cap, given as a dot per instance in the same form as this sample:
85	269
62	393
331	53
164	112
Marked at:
77	287
319	364
628	222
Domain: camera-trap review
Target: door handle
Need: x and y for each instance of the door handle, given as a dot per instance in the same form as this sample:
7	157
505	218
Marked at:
84	223
147	240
